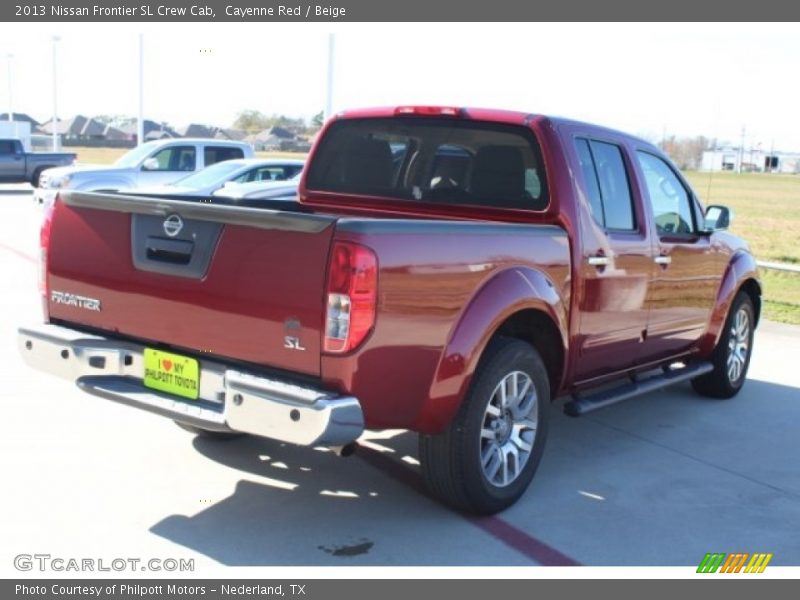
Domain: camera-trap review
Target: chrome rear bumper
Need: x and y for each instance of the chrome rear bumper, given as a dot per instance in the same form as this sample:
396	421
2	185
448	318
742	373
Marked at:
230	399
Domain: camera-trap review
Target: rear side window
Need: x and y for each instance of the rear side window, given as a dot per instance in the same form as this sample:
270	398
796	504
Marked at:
431	160
215	154
607	184
7	147
590	179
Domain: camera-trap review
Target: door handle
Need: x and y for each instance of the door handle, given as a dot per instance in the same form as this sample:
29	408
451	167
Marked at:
598	261
663	260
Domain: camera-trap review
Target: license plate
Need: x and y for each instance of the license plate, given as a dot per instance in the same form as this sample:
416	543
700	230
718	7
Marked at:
171	373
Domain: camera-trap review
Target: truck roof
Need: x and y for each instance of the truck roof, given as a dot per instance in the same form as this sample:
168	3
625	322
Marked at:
478	114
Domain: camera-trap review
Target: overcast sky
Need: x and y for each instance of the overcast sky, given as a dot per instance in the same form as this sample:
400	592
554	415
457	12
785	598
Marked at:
695	79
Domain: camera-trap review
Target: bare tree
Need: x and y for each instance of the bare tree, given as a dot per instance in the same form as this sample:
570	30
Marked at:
686	152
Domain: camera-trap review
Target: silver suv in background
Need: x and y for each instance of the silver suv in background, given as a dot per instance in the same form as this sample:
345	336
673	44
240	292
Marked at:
153	163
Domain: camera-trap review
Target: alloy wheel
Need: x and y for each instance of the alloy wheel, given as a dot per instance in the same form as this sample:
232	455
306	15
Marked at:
509	429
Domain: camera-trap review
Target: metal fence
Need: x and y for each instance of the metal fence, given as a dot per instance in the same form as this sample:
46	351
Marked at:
785	267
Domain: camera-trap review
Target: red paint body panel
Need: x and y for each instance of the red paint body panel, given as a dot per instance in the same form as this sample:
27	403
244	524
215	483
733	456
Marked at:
256	281
612	301
448	277
439	301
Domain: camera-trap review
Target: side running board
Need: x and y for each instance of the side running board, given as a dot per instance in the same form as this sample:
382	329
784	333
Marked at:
583	403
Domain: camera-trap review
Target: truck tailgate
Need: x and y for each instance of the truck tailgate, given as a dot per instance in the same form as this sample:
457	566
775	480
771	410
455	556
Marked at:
229	281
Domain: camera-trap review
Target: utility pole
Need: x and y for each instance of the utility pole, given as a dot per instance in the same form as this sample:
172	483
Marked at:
329	86
54	122
11	97
140	120
10	100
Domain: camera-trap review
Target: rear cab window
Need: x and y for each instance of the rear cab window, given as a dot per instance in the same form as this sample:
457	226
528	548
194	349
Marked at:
432	161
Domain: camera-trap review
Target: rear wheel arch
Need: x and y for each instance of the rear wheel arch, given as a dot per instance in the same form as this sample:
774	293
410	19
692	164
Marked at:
521	303
538	329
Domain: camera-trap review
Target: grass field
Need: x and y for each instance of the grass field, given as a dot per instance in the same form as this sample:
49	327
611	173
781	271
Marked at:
766	208
767	215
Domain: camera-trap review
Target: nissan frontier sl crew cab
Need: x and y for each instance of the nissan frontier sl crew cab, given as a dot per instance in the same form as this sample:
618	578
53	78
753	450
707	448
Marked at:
448	271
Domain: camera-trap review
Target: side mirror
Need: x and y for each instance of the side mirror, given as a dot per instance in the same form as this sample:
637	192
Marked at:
150	164
717	218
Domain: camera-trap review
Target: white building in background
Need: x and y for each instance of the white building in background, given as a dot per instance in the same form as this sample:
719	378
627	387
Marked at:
755	159
18	130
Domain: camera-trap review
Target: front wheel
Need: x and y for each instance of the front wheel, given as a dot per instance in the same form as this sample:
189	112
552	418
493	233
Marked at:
731	357
485	460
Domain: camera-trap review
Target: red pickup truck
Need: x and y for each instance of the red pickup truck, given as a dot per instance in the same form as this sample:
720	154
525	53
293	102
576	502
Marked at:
447	271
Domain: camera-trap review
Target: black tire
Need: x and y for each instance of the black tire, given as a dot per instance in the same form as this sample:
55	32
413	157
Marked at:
452	462
725	381
208	433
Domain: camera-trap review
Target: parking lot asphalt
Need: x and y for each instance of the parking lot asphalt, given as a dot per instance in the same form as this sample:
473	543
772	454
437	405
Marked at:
658	480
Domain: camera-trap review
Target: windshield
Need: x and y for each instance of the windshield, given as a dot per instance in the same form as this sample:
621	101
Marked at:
135	156
431	160
218	173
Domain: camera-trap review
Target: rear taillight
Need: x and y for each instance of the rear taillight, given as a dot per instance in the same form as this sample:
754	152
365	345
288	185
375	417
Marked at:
44	244
351	296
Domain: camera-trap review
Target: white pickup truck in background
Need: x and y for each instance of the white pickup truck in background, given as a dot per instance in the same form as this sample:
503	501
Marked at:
153	163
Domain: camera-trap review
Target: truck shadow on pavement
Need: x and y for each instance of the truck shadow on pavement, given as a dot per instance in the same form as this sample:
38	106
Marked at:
665	453
304	506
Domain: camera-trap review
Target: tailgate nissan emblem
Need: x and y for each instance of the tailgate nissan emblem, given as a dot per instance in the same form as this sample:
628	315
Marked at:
173	225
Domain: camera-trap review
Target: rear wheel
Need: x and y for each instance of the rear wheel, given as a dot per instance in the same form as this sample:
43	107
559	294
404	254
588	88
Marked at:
37	175
487	457
731	357
208	433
